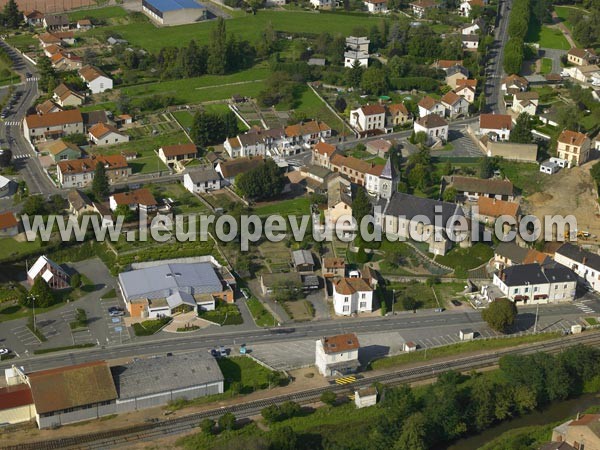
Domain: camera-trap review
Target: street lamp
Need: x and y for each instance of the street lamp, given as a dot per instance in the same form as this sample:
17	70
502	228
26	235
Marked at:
32	298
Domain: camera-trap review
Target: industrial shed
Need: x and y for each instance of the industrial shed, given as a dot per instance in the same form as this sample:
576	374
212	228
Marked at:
146	383
174	12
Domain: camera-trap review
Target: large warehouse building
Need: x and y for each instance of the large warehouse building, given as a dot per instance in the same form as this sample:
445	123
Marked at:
174	12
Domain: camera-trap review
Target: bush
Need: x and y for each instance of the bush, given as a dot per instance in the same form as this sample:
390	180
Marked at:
271	413
149	327
75	281
207	426
329	398
227	422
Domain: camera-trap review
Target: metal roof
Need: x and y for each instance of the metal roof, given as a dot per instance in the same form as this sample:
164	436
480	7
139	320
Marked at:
165	373
302	257
162	281
173	5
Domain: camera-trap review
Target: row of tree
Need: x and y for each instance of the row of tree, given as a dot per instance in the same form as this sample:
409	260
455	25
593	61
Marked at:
518	24
210	128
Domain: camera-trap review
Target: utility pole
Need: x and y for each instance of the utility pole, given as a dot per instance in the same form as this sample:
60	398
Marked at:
393	300
537	310
32	297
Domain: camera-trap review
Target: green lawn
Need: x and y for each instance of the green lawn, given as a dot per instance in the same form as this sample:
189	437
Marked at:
110	12
563	13
185	118
546	66
23	41
298	206
545	36
422	294
244	370
148	36
262	317
10	247
149	327
526	177
314	108
463	259
224	314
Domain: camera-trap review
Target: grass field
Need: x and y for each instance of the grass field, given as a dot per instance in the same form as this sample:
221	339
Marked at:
110	12
298	206
546	66
526	177
9	247
545	36
23	41
463	259
148	36
244	370
262	317
314	108
563	13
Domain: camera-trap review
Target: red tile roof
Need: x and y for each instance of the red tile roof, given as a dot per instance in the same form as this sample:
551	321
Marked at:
340	343
90	73
572	138
371	110
495	121
447	63
87	165
141	196
451	98
7	220
101	129
348	286
334	263
15	396
466	82
428	103
496	208
397	108
179	150
432	121
54	119
324	148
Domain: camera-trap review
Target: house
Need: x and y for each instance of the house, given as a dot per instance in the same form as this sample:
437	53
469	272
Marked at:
63	151
445	64
232	168
171	155
80	172
513	83
376	6
357	51
533	283
490	209
470	41
256	142
53	125
583	262
381	181
509	254
64	96
66	37
375	177
105	134
477	26
307	132
466	89
9	225
435	127
316	62
48	40
33	18
303	261
397	115
365	397
72	394
428	105
368	117
84	25
466	7
339	204
454	74
420	7
525	102
581	433
56	22
65	61
337	355
91	118
333	267
5	184
164	289
139	199
406	216
454	104
123	119
79	203
51	273
271	281
582	56
574	147
351	296
496	126
584	74
322	4
473	188
47	107
174	12
379	147
96	81
200	180
322	153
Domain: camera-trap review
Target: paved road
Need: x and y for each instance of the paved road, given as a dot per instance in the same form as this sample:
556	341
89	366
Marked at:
494	71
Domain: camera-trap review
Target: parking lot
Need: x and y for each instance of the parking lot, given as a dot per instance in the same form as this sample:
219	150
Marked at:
118	332
79	335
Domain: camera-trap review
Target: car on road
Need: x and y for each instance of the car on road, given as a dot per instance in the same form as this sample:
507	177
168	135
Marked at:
439	309
4	351
3	115
28	75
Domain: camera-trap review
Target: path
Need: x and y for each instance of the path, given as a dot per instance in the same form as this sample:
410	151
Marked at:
562	27
237	83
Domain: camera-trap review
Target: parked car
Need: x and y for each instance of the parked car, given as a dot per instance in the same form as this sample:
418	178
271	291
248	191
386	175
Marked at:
116	313
222	352
4	351
439	309
214	352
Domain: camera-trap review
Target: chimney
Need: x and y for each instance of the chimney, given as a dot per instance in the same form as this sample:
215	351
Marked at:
584	260
502	276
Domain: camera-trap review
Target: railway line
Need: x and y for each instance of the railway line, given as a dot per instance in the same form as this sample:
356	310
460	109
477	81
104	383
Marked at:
119	437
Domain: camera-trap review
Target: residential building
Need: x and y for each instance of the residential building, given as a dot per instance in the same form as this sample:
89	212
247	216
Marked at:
333	267
376	6
64	96
232	168
470	41
359	172
525	102
514	83
322	154
105	134
84	25
584	74
467	89
162	379
466	7
63	151
256	142
79	203
477	26
533	283
379	147
490	209
455	105
322	4
582	56
368	118
5	184
473	188
91	118
138	199
435	127
51	273
96	80
381	180
174	12
397	115
172	155
162	290
420	7
549	167
406	216
358	43
496	126
428	105
200	180
339	204
509	254
307	133
337	355
583	262
573	147
9	225
454	74
303	260
47	107
33	18
581	433
48	40
445	64
53	125
65	61
80	172
351	296
56	22
357	51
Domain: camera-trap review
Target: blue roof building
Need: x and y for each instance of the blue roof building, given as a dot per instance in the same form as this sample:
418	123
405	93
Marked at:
174	12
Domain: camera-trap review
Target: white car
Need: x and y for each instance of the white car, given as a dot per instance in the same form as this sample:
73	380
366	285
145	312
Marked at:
4	351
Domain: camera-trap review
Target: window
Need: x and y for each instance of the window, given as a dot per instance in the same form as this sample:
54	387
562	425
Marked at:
346	299
363	295
363	305
346	308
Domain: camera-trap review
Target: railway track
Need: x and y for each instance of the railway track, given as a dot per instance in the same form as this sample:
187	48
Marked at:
103	440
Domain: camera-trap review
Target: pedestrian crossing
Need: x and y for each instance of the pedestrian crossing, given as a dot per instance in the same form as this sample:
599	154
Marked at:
20	156
583	307
33	79
345	380
12	123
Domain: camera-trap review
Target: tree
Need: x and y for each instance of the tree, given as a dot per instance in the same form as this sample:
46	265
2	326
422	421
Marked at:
486	169
354	74
500	314
361	205
521	133
75	280
595	172
414	433
207	426
409	303
283	438
209	128
340	103
227	421
374	81
44	296
513	55
274	379
34	205
262	182
361	255
329	398
100	187
450	194
271	413
287	290
12	16
217	57
47	73
290	409
125	211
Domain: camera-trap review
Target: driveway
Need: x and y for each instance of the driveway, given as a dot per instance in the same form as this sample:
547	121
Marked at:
319	301
554	55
